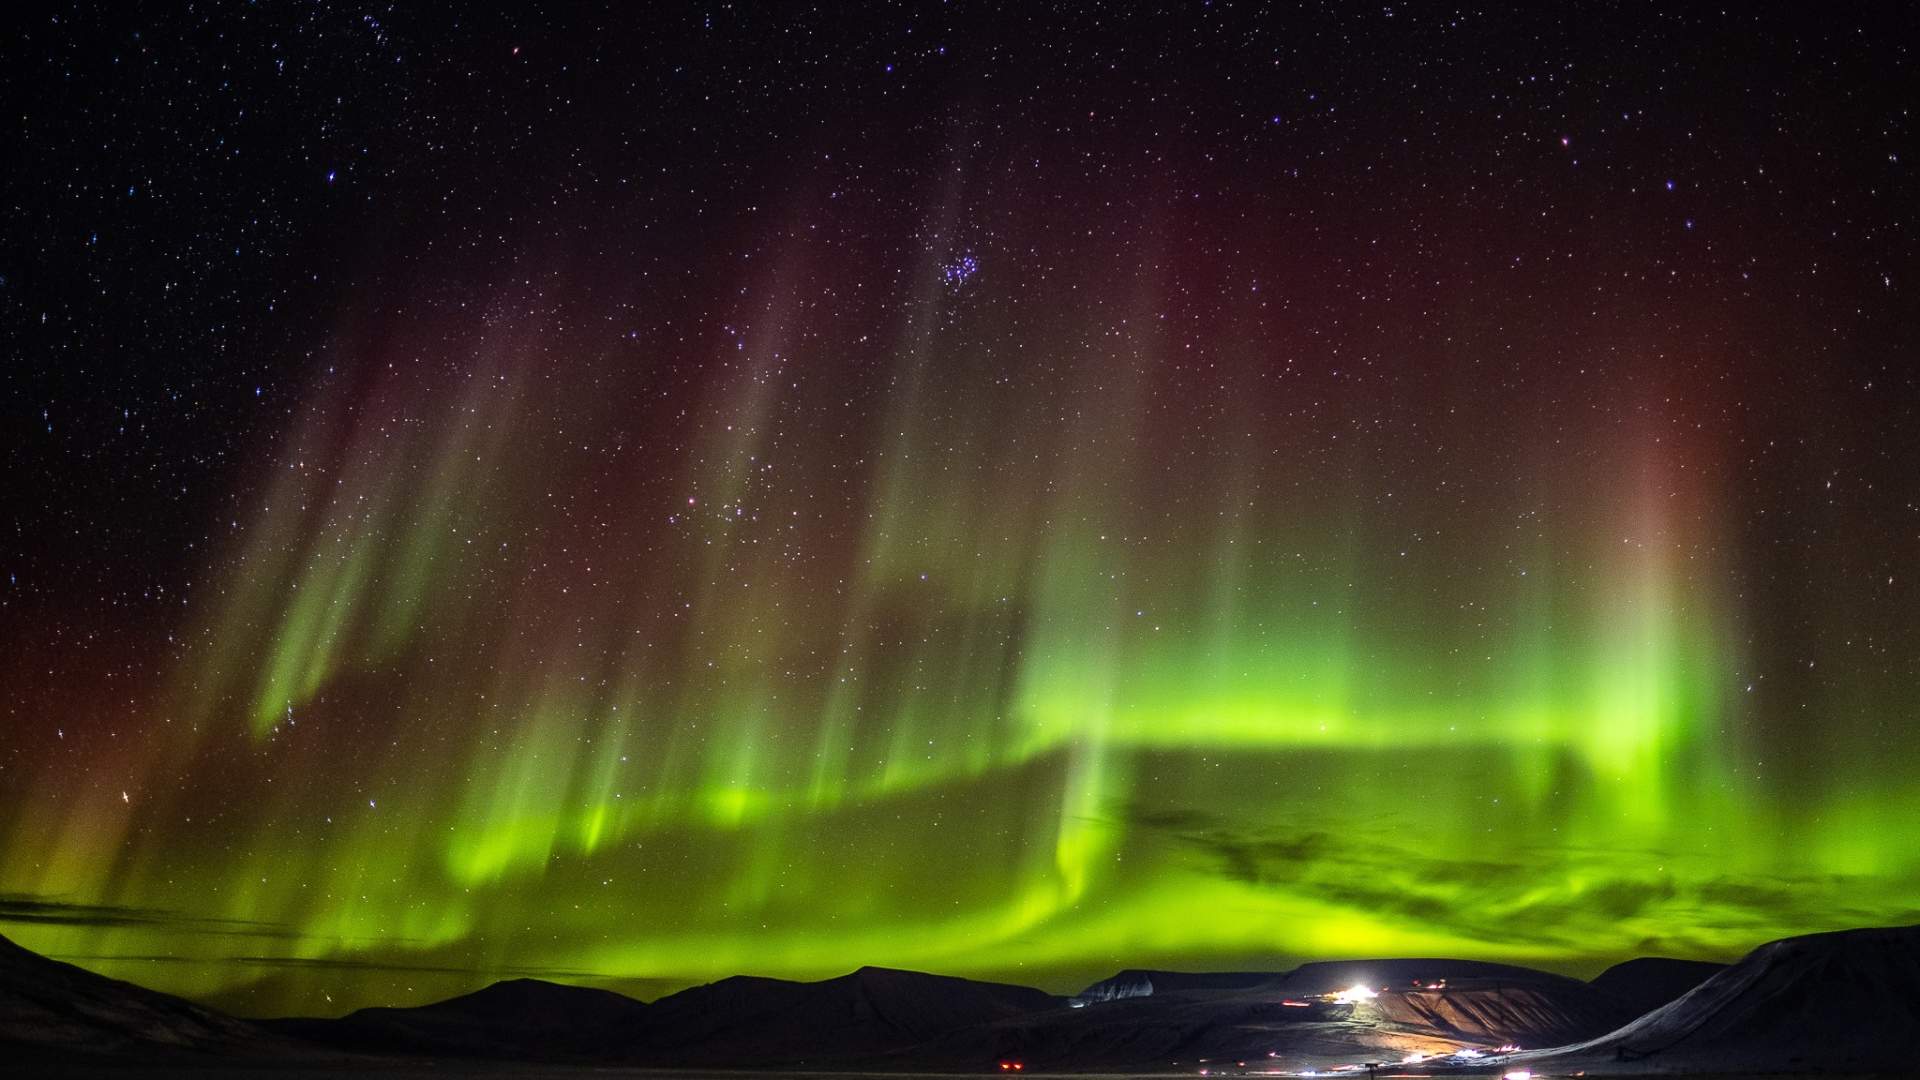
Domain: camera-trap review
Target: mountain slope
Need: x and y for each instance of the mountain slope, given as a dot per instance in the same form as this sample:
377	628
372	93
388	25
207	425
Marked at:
49	1008
1848	1000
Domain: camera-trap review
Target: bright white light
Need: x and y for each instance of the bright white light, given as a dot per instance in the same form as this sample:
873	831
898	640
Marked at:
1517	1074
1354	994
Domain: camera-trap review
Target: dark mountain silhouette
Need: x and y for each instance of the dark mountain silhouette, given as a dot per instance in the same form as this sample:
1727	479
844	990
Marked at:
50	1009
520	1019
868	1014
740	1021
1831	1002
1835	1002
1648	982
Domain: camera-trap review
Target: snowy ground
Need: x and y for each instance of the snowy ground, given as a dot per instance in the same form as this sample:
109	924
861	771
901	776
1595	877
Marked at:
490	1071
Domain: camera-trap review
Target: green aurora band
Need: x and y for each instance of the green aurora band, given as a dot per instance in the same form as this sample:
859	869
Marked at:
530	654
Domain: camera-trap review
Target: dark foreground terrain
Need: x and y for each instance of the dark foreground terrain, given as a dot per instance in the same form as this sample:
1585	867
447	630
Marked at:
492	1071
1837	1004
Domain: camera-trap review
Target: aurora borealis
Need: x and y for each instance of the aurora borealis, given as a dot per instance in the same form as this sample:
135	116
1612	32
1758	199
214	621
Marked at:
1007	494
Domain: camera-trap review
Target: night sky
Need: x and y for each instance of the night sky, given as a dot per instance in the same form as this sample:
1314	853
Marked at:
642	496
